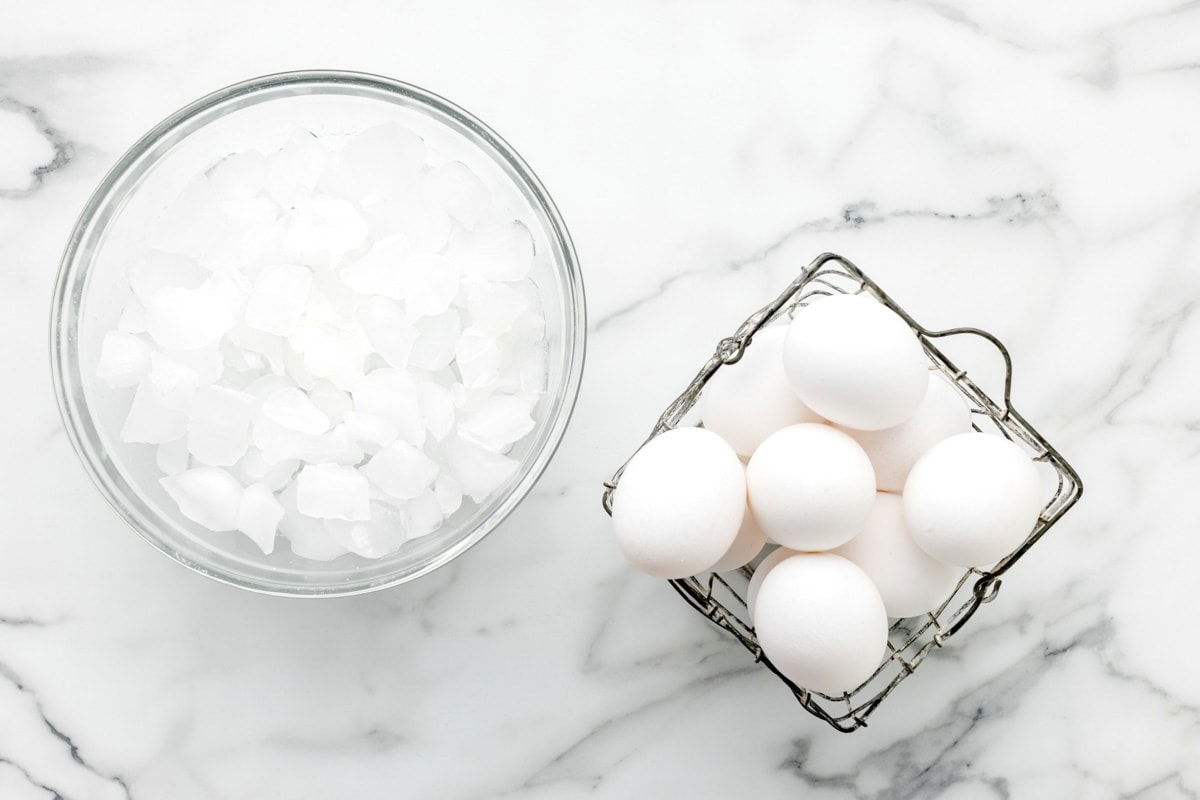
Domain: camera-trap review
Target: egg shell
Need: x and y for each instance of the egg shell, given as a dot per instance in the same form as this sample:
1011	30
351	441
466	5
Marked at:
909	580
972	499
942	413
749	542
854	362
760	574
748	401
680	503
810	486
821	622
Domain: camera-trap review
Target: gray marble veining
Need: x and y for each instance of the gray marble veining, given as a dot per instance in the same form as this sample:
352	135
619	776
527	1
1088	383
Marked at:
1029	168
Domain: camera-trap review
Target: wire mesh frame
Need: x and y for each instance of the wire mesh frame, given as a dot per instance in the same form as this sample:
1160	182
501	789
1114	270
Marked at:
909	640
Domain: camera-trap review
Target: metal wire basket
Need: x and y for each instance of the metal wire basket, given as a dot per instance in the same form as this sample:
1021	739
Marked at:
909	640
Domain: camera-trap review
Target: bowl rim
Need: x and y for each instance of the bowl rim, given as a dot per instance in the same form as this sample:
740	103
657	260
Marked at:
105	198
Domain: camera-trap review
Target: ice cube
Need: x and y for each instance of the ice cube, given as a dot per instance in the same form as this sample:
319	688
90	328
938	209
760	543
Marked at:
267	346
436	340
279	444
318	308
323	230
292	409
502	420
493	307
468	401
239	176
378	162
370	431
263	385
427	229
293	171
281	475
172	457
333	491
331	401
529	328
224	255
389	333
532	399
161	403
124	359
133	317
448	493
533	369
174	382
456	189
307	536
509	380
342	300
233	285
293	367
429	284
258	516
495	252
381	214
424	515
208	496
188	319
382	534
336	447
461	397
219	428
478	357
192	224
151	420
401	470
337	352
278	299
254	468
156	272
480	472
245	215
238	359
208	362
238	380
378	272
437	408
391	394
276	443
262	244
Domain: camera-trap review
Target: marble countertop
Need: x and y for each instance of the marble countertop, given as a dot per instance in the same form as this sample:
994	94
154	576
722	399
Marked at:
1026	167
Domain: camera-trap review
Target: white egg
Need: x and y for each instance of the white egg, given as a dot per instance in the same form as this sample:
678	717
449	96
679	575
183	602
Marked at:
855	362
811	487
749	542
748	401
680	502
760	573
972	499
942	414
821	622
909	580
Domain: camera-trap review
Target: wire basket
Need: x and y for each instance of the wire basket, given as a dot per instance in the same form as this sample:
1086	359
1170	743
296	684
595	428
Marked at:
721	598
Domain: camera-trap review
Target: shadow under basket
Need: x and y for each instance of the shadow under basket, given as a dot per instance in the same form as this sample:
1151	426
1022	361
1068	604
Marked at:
720	598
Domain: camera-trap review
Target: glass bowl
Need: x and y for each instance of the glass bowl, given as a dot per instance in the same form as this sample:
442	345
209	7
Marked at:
92	283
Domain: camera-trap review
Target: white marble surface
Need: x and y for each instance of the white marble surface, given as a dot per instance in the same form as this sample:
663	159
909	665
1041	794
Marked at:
1027	167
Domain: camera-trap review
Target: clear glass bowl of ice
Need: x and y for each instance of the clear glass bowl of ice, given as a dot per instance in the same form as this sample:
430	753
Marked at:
317	333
